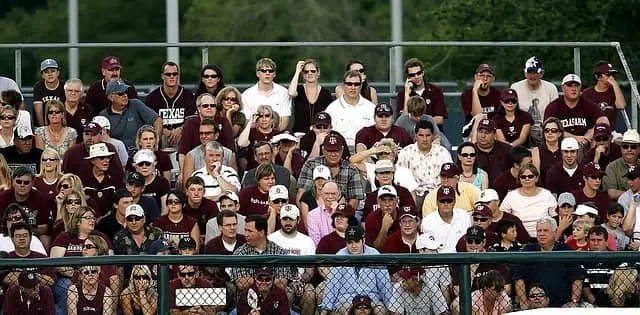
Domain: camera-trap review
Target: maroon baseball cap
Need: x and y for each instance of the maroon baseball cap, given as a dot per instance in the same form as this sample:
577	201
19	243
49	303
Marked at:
601	130
110	62
343	209
408	273
592	169
487	124
332	143
383	109
446	192
407	211
92	128
481	210
604	68
361	299
484	67
508	94
322	118
449	170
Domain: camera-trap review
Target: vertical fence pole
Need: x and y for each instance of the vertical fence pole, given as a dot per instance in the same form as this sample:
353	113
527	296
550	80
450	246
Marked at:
205	56
72	25
392	85
163	290
576	61
465	290
18	65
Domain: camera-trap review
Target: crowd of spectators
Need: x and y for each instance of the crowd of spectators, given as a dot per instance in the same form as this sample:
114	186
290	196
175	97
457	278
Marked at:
300	170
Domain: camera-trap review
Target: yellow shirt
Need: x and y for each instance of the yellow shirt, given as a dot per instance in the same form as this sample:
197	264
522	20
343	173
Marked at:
469	195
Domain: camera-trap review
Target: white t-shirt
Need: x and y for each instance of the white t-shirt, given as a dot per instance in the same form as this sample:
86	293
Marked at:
530	209
447	234
546	93
278	98
6	245
348	119
211	186
295	246
402	177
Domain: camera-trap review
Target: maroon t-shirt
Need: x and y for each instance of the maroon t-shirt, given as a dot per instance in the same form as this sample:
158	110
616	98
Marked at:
601	200
370	135
523	235
394	244
547	160
330	244
172	110
575	120
163	162
297	161
256	136
47	189
614	153
83	115
558	180
207	210
74	161
16	304
505	183
102	192
73	244
157	188
97	98
50	271
253	201
191	134
177	284
605	100
488	103
216	247
274	303
93	306
432	95
174	232
371	201
511	129
495	161
40	208
307	141
491	238
374	224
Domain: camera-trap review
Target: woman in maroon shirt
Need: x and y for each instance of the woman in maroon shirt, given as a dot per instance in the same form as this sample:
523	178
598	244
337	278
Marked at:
548	152
96	245
262	127
513	124
155	186
50	173
147	139
175	224
70	205
229	105
89	295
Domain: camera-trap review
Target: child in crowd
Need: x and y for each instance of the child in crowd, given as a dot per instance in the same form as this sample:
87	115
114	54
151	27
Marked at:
578	240
615	214
506	229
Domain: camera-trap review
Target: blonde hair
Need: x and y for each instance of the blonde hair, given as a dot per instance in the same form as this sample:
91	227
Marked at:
5	172
147	128
275	118
265	62
223	93
102	248
582	223
58	106
63	212
135	295
51	152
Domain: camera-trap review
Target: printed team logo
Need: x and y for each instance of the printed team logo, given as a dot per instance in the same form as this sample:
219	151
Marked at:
428	101
322	116
446	190
333	140
605	106
113	61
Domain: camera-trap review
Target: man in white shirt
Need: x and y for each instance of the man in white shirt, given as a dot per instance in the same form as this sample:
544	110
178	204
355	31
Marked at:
217	177
351	112
448	224
267	92
300	291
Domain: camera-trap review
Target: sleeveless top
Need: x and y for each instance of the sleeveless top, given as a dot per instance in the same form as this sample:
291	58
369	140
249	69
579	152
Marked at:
71	136
479	177
94	306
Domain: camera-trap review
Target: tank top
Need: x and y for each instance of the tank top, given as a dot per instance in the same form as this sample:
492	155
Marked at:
94	306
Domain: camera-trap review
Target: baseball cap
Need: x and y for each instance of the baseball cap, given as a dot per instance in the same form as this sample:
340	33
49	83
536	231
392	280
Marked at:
159	246
484	67
92	128
601	130
631	136
23	132
322	118
264	271
533	65
387	190
286	136
116	86
361	299
28	279
48	63
407	211
592	169
136	179
633	173
229	195
134	209
343	209
321	171
569	144
408	273
488	195
354	233
449	170
102	122
383	109
427	241
446	192
278	192
508	94
187	242
98	150
571	78
475	233
384	166
604	68
566	198
289	211
144	155
584	209
487	124
482	210
110	62
332	143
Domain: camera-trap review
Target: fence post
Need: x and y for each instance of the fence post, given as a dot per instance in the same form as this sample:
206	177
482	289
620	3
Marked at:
576	60
18	65
205	56
163	290
465	290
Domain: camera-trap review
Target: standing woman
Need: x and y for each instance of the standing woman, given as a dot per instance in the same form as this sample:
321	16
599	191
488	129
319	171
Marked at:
55	134
368	92
147	139
175	224
229	105
514	124
310	97
548	153
211	81
50	173
8	119
468	166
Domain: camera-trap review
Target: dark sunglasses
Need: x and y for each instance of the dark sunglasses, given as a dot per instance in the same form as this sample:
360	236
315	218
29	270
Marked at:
90	272
134	218
90	217
511	101
171	74
14	218
594	177
321	126
263	279
411	75
383	115
467	155
267	70
601	138
530	176
360	70
474	242
141	277
49	160
187	274
23	182
54	112
65	186
230	99
145	163
446	201
173	202
90	246
7	117
363	307
209	76
121	93
551	130
537	295
73	201
481	219
353	83
280	201
207	105
629	146
309	71
263	115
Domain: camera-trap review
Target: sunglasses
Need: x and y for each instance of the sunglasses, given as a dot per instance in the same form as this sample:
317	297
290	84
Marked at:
446	201
170	74
601	138
551	130
54	112
230	99
134	218
23	182
121	93
411	75
383	115
267	70
595	177
353	83
530	176
467	155
65	186
280	201
474	242
73	201
360	70
263	115
173	202
309	71
14	218
90	246
6	117
208	105
537	295
141	277
210	76
49	160
187	274
145	163
90	272
363	307
322	126
629	146
481	219
263	279
511	101
89	217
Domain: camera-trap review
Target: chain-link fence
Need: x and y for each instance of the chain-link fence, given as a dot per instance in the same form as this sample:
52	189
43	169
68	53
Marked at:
488	283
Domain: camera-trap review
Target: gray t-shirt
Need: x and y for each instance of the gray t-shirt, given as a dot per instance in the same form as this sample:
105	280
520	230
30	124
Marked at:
405	122
213	230
7	84
197	154
124	127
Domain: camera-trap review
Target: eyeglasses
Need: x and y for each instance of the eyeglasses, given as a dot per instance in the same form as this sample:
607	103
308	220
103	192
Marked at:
89	217
7	117
551	130
206	133
529	176
23	182
267	70
446	201
263	279
627	146
73	201
90	246
363	307
263	115
595	177
134	218
90	272
321	126
537	295
209	76
73	91
309	71
474	241
49	160
65	186
353	83
480	219
14	218
54	112
411	75
187	274
121	93
145	163
511	101
173	202
360	70
141	277
601	138
280	201
467	155
171	74
230	99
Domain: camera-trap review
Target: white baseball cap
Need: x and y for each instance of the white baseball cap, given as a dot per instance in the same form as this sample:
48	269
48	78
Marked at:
289	211
134	209
321	171
427	241
584	209
98	150
284	136
387	190
144	155
102	121
488	195
569	144
571	78
278	192
229	194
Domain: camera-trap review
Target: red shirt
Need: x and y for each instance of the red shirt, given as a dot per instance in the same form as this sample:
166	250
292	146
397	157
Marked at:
174	232
172	110
307	141
15	304
97	98
253	201
547	160
47	189
297	161
373	226
256	136
216	247
488	103
432	95
573	243
207	210
395	244
51	272
191	134
523	235
74	245
158	188
40	207
495	161
601	200
83	114
614	153
330	244
558	180
605	100
575	120
505	183
371	201
74	161
511	129
370	135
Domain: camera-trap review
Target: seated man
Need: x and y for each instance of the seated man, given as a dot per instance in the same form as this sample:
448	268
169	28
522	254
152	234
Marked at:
190	302
263	297
416	294
29	296
230	201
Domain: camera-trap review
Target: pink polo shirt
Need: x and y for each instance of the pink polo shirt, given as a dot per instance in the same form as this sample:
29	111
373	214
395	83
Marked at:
319	223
